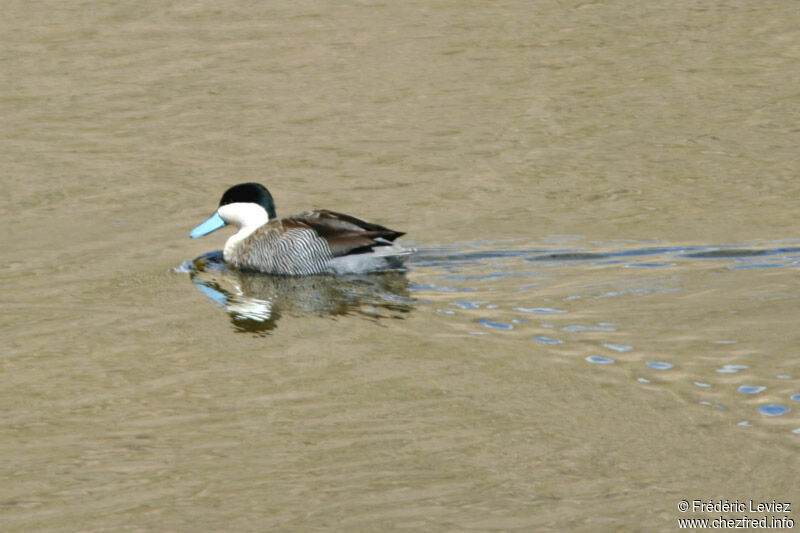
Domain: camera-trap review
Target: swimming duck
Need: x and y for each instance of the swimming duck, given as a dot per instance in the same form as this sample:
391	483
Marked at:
314	242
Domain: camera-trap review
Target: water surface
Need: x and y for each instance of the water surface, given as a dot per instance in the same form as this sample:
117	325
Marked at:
600	323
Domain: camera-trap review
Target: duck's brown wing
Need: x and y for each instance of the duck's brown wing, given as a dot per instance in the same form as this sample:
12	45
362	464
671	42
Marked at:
344	234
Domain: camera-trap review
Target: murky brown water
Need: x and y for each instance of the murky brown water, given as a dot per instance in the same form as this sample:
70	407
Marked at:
604	196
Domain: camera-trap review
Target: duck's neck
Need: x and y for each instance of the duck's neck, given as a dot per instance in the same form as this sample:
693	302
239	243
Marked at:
247	217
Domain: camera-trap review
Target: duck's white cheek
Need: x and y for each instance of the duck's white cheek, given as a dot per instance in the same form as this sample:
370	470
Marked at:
243	215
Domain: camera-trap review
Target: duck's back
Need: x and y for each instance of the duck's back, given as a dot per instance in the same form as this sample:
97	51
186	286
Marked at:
318	242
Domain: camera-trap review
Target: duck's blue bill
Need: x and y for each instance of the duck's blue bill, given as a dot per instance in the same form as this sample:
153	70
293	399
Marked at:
213	223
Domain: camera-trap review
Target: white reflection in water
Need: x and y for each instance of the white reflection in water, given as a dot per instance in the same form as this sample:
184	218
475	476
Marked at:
255	302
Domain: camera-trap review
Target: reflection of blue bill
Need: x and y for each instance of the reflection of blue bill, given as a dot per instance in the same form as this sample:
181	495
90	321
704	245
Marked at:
218	298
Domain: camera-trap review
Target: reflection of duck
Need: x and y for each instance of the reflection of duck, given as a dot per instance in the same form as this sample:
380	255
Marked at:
314	242
255	302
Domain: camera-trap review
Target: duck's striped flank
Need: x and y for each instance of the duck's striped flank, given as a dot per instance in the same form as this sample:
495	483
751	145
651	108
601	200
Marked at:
295	252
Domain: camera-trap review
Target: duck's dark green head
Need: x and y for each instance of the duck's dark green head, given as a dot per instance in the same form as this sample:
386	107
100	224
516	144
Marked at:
250	193
246	204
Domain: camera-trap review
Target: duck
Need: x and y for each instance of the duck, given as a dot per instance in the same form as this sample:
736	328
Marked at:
312	242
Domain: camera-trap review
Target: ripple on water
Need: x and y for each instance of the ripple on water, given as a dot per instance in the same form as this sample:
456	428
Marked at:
726	254
456	280
436	288
731	369
758	265
618	347
542	310
578	328
773	409
658	365
600	360
750	389
468	305
649	265
494	325
548	340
